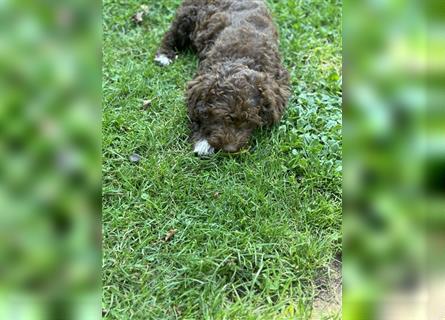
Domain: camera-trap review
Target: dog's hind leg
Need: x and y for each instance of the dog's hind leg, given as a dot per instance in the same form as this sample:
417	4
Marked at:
177	38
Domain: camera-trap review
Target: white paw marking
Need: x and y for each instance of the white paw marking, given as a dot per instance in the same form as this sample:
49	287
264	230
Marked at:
163	60
203	148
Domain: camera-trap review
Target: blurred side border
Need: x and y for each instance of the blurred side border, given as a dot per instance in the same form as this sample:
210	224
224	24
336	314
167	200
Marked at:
50	132
394	159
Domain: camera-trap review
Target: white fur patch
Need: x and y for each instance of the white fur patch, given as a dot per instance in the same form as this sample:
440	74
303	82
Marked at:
203	148
163	60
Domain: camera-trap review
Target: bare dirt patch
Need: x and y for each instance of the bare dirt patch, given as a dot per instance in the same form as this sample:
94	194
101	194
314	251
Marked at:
328	303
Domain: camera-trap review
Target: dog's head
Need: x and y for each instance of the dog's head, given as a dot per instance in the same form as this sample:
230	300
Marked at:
228	103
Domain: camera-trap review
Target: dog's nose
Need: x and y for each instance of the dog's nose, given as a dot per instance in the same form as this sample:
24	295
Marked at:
230	148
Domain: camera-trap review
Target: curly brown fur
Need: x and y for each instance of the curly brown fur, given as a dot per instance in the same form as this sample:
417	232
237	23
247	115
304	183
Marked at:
240	84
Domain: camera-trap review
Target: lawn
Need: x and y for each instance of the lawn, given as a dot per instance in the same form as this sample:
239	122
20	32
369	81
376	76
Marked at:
256	235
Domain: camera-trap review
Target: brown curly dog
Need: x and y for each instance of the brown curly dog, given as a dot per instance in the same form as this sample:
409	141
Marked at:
240	84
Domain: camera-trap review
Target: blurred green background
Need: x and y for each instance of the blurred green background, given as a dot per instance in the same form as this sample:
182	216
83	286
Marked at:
394	160
49	159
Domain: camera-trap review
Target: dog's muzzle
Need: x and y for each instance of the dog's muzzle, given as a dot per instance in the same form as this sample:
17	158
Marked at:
203	148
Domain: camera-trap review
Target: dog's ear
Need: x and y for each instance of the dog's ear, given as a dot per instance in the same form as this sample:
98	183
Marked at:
197	92
274	95
196	89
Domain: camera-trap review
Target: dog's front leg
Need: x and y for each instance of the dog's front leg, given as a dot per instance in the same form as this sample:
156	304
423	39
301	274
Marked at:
177	38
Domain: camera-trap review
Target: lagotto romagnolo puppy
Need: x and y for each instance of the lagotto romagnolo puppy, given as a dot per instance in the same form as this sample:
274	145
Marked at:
240	84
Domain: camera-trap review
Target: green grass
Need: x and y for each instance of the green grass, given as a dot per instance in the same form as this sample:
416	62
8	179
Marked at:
256	232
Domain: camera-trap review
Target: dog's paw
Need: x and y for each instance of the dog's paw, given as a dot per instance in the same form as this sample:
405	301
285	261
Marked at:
203	148
162	59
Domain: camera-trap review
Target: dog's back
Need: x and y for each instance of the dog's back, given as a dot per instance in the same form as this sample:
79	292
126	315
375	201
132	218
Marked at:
236	29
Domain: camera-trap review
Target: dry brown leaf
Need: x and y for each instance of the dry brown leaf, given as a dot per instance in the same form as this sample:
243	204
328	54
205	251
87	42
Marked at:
146	104
170	234
177	310
138	17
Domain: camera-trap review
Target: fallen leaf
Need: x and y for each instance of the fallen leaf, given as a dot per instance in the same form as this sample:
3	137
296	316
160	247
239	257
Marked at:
135	157
177	310
138	17
170	234
146	104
